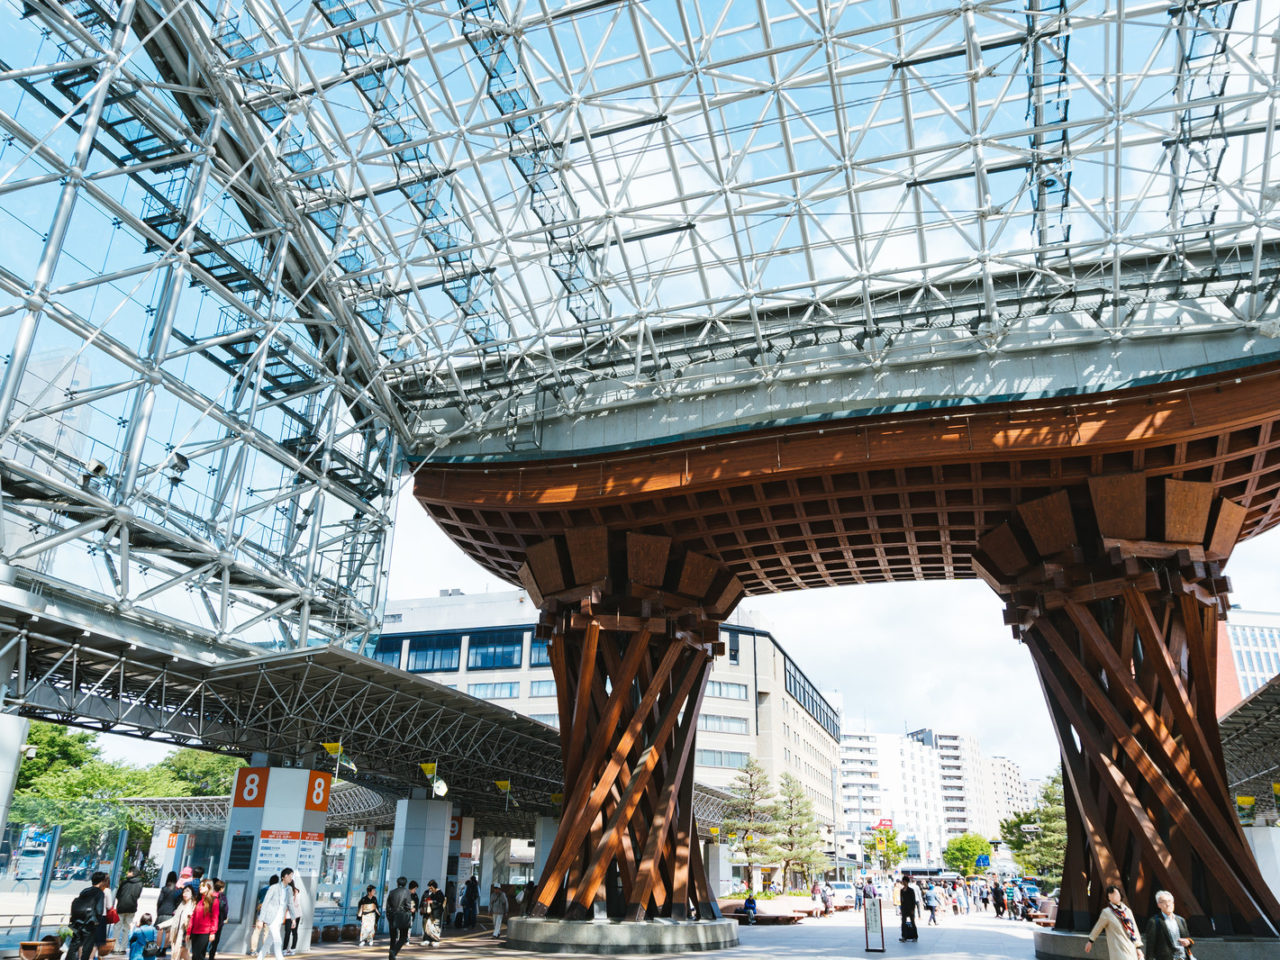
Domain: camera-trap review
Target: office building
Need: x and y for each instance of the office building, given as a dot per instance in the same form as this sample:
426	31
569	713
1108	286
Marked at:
1254	638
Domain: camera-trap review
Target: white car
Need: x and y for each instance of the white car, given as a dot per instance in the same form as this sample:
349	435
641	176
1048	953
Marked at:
31	865
844	892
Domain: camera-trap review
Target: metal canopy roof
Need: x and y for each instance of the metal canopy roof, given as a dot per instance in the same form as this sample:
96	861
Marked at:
1251	746
350	805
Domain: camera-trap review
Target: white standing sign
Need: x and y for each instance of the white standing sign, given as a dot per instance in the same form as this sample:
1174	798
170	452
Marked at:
875	924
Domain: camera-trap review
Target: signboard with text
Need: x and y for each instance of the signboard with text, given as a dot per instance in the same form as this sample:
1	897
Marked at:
874	919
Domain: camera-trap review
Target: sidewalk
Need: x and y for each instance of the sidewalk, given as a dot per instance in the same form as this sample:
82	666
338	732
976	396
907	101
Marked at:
975	937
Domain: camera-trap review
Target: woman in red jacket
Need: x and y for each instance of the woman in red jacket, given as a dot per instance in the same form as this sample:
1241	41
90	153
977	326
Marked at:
204	922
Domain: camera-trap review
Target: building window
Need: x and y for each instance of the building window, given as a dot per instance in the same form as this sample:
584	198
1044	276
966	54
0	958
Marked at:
542	688
538	656
714	723
387	650
392	617
733	647
807	695
727	691
494	651
722	758
434	652
494	691
550	719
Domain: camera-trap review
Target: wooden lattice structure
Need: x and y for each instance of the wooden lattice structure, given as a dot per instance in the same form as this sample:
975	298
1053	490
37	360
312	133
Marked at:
633	625
1116	587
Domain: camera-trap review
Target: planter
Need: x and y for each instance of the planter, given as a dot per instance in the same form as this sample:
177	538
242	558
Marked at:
106	946
38	950
330	934
351	931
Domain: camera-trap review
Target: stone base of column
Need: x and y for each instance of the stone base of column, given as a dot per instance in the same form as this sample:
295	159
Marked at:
548	935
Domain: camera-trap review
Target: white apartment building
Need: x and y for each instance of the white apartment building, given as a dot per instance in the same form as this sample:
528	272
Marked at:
1009	793
758	701
967	805
887	776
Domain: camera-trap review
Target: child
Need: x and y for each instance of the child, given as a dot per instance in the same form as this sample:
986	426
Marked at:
143	943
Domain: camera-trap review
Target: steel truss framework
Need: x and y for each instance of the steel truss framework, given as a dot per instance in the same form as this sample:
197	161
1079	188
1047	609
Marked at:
258	253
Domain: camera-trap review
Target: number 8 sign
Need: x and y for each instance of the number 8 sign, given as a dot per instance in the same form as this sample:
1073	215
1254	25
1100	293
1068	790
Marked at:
318	790
251	787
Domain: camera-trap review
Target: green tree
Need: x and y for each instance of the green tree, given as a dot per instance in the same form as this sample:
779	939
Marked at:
57	749
209	774
1039	849
749	817
894	851
962	852
795	831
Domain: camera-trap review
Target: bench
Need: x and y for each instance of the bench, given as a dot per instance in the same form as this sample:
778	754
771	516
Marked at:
765	919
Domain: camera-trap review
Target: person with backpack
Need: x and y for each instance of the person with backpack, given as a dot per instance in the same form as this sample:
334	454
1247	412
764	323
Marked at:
144	941
166	904
399	909
203	924
127	896
907	902
88	910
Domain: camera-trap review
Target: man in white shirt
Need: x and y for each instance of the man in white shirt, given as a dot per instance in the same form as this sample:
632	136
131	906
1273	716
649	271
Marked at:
277	904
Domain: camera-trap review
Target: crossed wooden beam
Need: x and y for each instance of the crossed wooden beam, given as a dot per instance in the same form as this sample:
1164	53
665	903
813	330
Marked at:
632	623
1116	587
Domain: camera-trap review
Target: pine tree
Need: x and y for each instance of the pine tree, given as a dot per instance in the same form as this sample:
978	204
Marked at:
749	819
800	847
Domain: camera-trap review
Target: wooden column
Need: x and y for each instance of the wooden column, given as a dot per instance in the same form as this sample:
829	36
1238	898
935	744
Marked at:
1116	588
632	624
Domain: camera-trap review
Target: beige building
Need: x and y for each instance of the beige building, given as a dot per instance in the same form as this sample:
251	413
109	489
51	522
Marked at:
759	702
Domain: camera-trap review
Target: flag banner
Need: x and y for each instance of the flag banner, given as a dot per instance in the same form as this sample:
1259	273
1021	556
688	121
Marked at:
503	785
428	768
557	798
1245	810
332	749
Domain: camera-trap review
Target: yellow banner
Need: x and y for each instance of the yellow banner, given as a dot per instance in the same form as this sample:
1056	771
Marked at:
557	798
1245	809
503	785
428	768
332	749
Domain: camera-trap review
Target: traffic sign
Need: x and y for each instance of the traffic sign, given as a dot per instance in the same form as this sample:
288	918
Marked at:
984	860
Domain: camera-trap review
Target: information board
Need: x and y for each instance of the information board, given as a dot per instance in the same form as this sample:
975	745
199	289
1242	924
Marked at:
310	846
874	919
240	856
279	849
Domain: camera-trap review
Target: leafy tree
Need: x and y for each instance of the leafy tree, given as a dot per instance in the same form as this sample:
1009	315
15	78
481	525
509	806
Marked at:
749	816
57	749
209	774
1040	849
962	852
795	831
894	849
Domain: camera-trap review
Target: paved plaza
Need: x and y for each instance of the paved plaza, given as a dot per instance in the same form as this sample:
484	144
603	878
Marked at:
975	937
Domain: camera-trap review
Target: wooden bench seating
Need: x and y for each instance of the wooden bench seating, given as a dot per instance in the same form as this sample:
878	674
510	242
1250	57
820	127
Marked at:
766	919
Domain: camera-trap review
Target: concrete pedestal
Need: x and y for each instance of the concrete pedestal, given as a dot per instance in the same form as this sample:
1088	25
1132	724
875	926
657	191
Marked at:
544	835
420	844
544	935
1052	945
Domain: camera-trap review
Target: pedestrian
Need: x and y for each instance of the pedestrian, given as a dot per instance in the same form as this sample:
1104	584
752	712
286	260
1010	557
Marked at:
931	904
271	915
292	915
997	898
869	891
896	896
825	896
257	936
526	898
470	901
1116	921
87	912
194	875
177	924
204	922
498	907
166	904
907	900
144	940
1166	937
224	910
749	906
984	894
416	905
127	895
435	907
399	915
368	912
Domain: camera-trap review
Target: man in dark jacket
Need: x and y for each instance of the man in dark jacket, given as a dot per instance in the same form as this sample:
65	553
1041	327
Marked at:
908	909
87	912
399	914
470	901
1165	937
127	895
